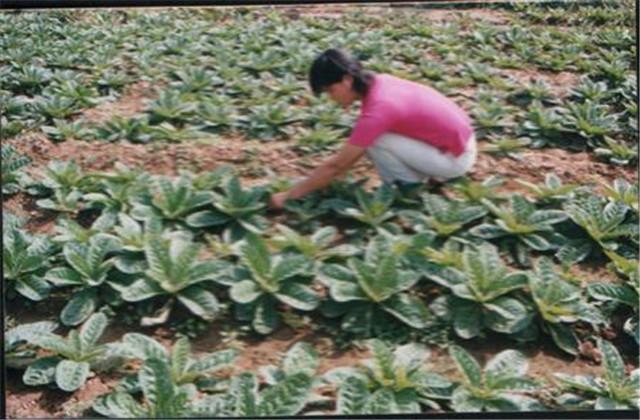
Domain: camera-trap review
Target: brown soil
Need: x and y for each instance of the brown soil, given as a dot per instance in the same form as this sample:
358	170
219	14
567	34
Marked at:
560	83
132	102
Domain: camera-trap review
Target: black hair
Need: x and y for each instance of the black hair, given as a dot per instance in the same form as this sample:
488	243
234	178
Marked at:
332	65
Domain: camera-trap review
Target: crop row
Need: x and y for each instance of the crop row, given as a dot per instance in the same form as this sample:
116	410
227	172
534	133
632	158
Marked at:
175	383
369	260
225	78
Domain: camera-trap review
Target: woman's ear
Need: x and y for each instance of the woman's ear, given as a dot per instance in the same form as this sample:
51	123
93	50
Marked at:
347	79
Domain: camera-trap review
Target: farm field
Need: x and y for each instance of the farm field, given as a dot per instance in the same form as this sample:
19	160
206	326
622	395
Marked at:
145	276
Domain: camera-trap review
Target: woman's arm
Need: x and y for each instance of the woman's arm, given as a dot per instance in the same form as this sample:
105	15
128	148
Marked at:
322	175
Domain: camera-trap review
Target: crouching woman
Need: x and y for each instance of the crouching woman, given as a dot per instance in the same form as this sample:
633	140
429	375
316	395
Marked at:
410	131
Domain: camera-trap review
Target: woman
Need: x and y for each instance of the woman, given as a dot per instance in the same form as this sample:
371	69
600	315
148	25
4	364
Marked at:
410	131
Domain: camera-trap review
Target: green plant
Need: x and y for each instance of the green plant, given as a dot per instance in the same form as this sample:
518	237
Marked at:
617	152
271	120
74	357
262	281
18	353
170	199
287	398
542	124
624	192
374	209
184	367
559	304
614	391
527	226
135	130
163	398
506	146
500	386
590	120
171	107
368	294
234	207
175	273
318	247
12	164
551	190
63	130
25	259
393	381
477	191
54	107
604	223
445	217
89	266
480	294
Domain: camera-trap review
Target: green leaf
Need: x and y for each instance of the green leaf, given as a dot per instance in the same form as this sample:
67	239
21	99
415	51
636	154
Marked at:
289	267
488	231
506	364
207	218
564	338
33	288
140	290
612	362
244	391
200	302
408	309
617	293
92	330
298	296
507	315
467	319
463	401
265	316
287	398
255	255
63	276
301	358
381	402
118	405
145	347
41	372
80	307
155	380
71	375
245	291
352	396
536	242
180	355
214	361
467	365
583	383
345	291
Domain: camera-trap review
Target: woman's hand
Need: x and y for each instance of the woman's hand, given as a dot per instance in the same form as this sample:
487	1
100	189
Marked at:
278	200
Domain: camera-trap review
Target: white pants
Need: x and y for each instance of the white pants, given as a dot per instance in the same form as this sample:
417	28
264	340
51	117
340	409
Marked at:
400	158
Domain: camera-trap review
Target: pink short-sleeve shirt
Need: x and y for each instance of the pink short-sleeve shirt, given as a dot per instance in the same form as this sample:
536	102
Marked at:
413	110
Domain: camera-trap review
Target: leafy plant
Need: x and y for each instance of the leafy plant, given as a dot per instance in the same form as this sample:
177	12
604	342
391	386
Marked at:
551	190
170	199
63	130
524	224
617	152
286	398
262	281
373	209
603	222
171	107
480	296
477	191
18	353
135	130
25	259
175	273
559	304
162	397
500	386
624	192
590	120
445	217
506	146
318	247
370	293
89	266
74	356
543	125
12	165
234	207
393	381
614	391
184	367
270	121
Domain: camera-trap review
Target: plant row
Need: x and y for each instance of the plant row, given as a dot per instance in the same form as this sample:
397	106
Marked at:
176	383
